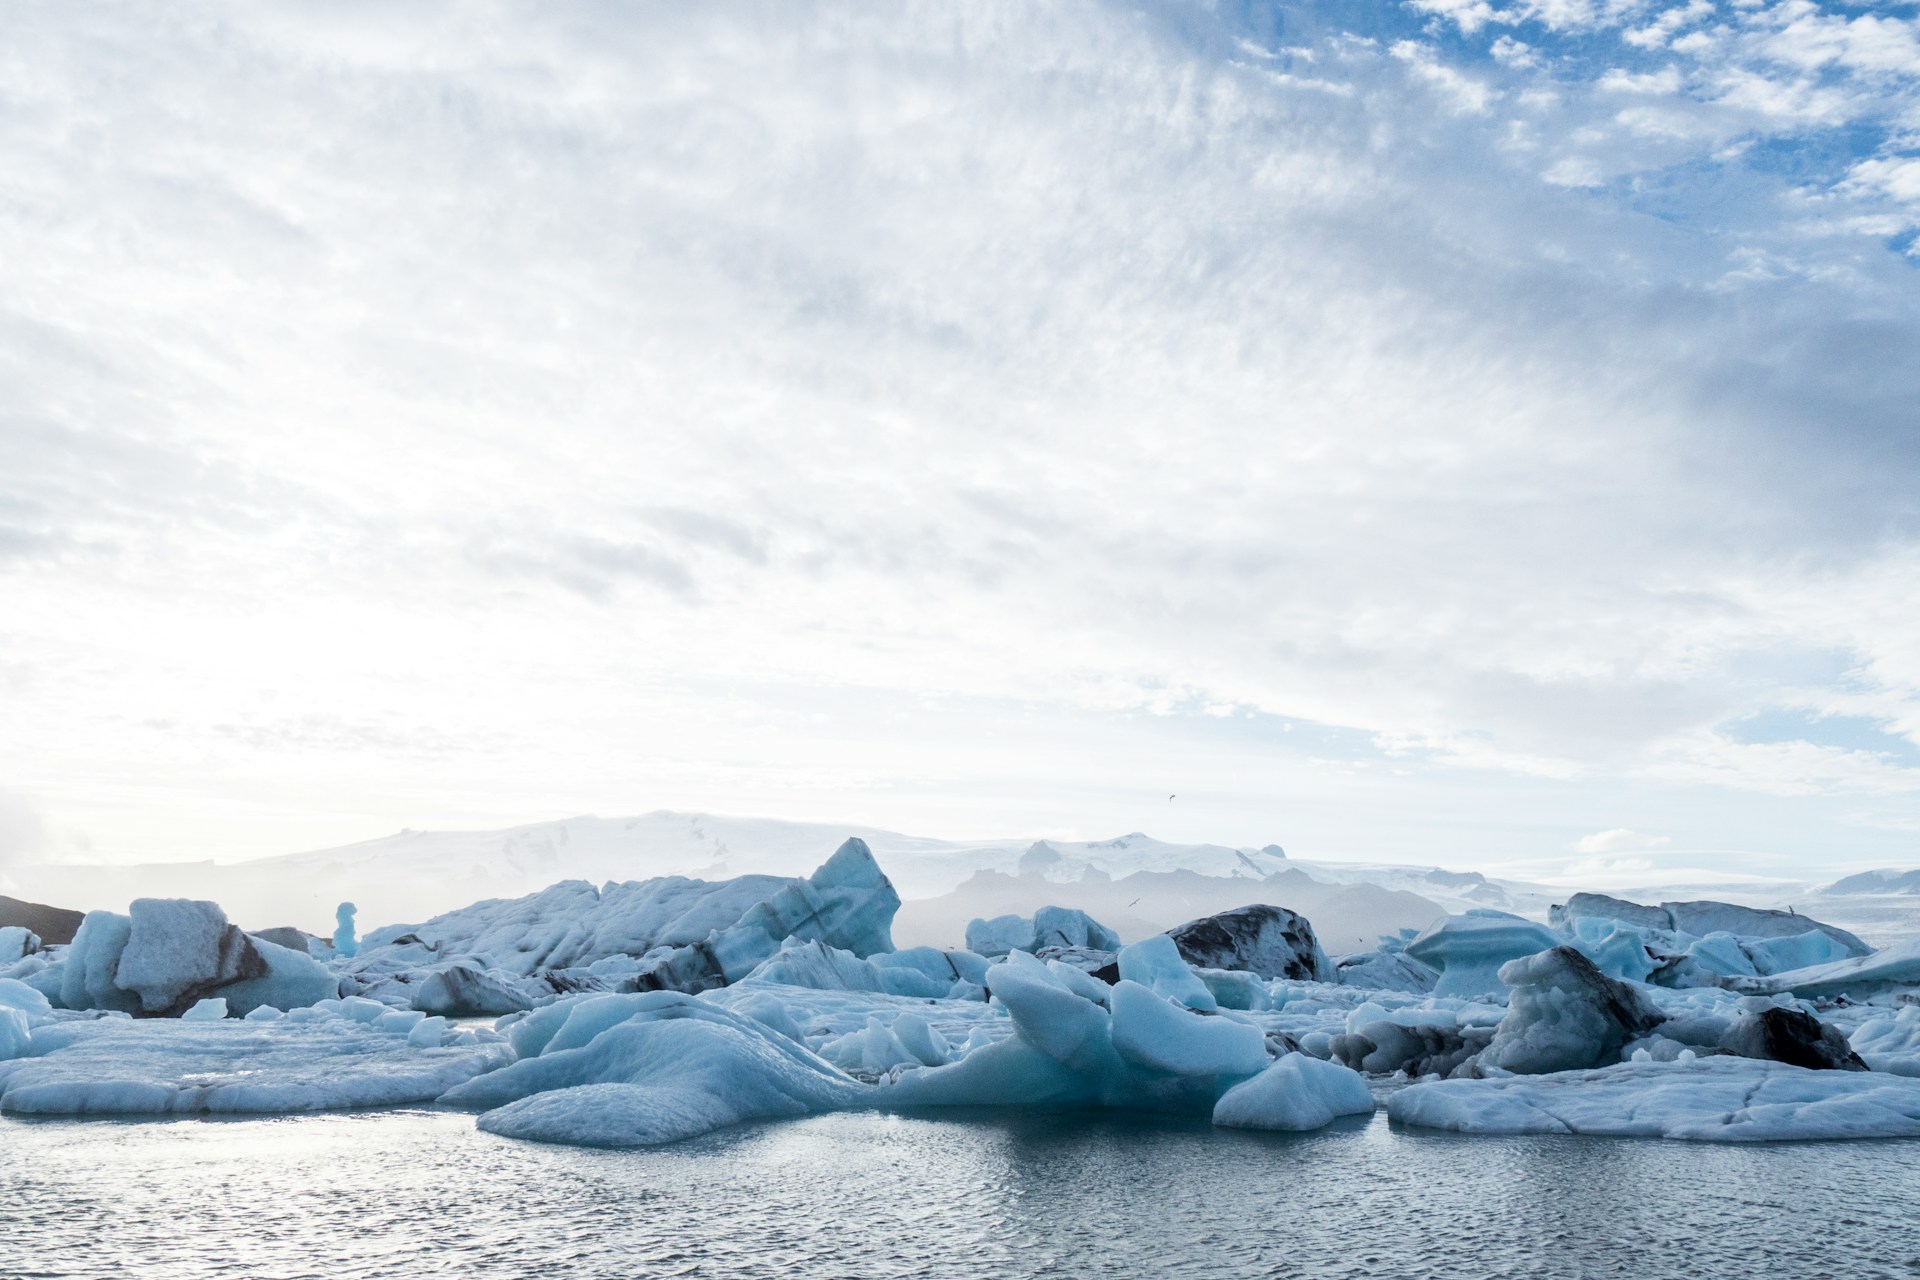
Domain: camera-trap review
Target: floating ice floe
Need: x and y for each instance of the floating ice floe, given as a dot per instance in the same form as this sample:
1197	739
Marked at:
1709	1099
647	1068
329	1057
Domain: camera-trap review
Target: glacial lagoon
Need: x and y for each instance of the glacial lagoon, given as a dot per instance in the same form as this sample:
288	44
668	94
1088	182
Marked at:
959	1194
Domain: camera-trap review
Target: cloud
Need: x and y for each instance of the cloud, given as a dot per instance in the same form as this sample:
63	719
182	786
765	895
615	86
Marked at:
1505	406
1619	840
22	830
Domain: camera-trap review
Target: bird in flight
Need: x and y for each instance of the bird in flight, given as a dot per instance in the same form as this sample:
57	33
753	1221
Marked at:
1169	799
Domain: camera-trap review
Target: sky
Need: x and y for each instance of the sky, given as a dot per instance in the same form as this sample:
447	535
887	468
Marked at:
1484	434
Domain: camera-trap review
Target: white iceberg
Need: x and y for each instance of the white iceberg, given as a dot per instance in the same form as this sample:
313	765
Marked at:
1709	1099
310	1060
635	1070
1296	1093
1469	949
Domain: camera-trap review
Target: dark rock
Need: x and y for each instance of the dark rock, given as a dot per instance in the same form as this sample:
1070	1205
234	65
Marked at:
54	925
1270	941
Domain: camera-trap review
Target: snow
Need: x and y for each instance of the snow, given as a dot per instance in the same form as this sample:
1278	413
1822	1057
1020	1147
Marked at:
1295	1093
310	1060
1469	949
1709	1099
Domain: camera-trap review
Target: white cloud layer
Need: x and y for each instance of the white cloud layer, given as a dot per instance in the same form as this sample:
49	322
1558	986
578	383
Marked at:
930	414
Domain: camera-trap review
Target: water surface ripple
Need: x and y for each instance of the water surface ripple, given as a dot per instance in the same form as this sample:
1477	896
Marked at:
422	1193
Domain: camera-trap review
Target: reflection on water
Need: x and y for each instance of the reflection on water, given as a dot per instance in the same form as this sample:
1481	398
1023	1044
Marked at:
1084	1195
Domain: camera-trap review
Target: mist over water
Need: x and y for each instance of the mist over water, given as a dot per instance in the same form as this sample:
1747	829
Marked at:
413	1193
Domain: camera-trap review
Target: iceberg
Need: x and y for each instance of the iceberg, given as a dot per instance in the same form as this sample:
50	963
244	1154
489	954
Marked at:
1563	1013
656	1067
1859	977
1708	1099
312	1059
1888	1042
1296	1093
169	953
1469	949
344	942
1067	928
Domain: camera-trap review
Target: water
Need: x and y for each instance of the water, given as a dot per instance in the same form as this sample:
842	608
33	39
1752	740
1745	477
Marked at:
422	1193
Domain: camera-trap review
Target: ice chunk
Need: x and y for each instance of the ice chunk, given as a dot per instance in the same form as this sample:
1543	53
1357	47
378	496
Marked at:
1156	963
1067	928
674	1068
1000	935
1700	919
32	1003
17	942
1890	1041
179	950
86	980
121	1066
293	980
1564	1014
1272	942
1385	970
1152	1031
210	1009
428	1033
1716	1099
1469	949
1893	968
462	989
926	972
344	942
1073	928
1620	954
848	904
1295	1093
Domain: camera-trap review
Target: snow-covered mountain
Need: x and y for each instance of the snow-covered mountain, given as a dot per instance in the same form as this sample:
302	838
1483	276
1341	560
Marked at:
413	875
